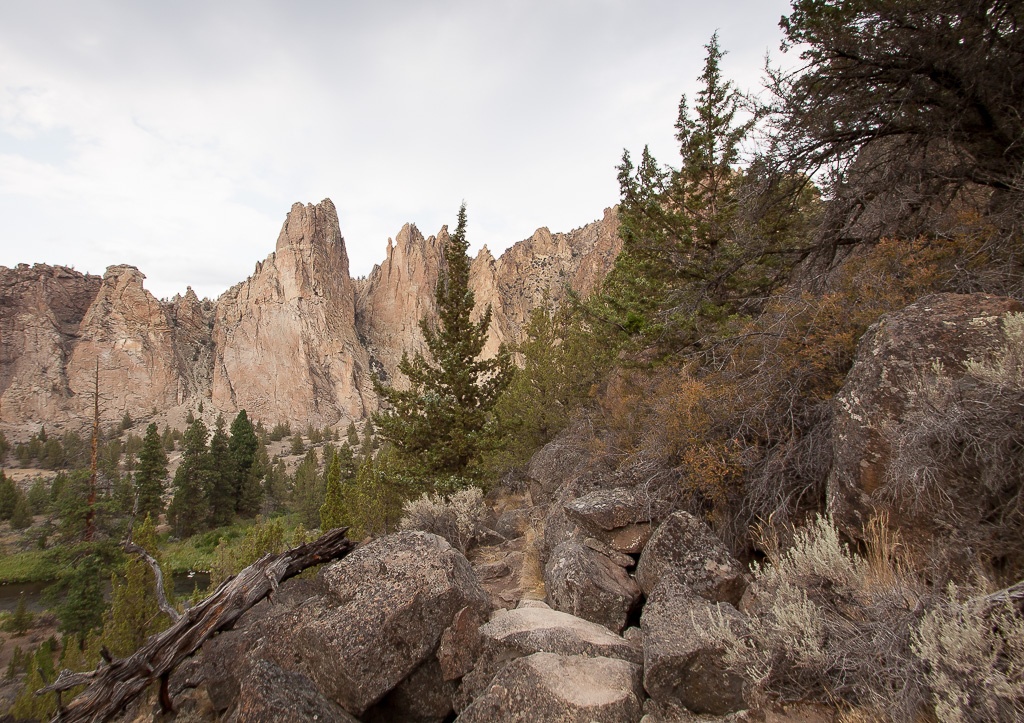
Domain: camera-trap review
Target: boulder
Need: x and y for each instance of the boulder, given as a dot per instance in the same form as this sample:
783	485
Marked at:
271	694
460	645
590	584
680	668
620	517
883	387
560	688
386	607
684	548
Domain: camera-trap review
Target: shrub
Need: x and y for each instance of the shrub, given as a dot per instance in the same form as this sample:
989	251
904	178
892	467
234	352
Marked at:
837	627
457	518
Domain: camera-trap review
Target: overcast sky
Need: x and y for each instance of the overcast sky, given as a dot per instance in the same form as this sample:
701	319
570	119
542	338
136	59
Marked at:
175	136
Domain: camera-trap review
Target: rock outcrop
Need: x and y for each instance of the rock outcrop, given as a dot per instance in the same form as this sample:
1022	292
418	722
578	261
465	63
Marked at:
897	356
297	341
285	339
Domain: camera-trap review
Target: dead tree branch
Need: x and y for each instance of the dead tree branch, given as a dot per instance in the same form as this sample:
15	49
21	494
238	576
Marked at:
113	687
161	595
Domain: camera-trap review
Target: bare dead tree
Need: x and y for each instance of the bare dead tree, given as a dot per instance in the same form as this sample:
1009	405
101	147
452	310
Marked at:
113	685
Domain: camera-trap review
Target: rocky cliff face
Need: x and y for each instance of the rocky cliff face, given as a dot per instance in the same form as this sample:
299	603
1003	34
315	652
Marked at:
296	341
285	340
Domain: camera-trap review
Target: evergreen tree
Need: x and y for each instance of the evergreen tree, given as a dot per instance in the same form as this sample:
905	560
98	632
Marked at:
439	426
220	481
332	512
352	435
701	243
308	490
134	614
246	467
189	510
21	619
29	706
151	473
8	496
80	591
21	518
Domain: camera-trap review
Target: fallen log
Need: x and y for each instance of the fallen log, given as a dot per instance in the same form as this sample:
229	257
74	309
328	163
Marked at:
112	687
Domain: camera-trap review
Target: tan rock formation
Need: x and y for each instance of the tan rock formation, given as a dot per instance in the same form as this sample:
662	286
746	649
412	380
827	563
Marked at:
41	310
295	342
285	340
130	335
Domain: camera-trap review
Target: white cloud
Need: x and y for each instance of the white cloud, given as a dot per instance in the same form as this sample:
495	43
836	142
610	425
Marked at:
176	136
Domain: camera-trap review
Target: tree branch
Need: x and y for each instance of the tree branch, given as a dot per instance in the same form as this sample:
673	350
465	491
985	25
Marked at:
161	596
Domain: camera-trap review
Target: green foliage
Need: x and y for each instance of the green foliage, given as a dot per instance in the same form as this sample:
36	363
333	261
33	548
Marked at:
21	517
562	362
248	466
280	431
700	245
151	474
372	503
9	494
308	490
190	508
28	566
134	614
220	478
440	425
297	447
28	705
352	435
126	422
39	497
79	591
266	536
332	512
21	619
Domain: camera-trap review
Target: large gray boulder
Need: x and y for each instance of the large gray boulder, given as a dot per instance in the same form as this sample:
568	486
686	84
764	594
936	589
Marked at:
385	609
680	668
685	549
591	583
513	634
560	689
271	695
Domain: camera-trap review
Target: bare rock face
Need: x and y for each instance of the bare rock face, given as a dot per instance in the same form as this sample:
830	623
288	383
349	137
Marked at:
685	549
884	385
396	295
560	689
679	669
130	335
285	339
41	311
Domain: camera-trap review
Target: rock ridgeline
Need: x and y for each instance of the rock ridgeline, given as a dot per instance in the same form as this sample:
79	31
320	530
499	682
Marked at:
297	341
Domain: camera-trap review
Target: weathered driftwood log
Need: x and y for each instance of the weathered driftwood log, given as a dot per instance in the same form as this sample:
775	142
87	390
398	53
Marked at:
114	686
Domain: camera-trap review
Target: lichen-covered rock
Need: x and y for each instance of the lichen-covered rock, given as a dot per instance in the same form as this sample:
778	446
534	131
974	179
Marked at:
585	582
386	607
685	549
679	667
460	644
560	689
884	385
620	517
271	694
424	697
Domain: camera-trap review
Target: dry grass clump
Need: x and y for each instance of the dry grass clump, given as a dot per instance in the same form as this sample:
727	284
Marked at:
458	518
864	632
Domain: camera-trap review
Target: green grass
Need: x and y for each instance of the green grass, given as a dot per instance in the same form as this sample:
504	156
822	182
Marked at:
31	566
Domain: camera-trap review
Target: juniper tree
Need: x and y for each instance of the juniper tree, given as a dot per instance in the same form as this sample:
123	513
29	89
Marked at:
189	510
438	427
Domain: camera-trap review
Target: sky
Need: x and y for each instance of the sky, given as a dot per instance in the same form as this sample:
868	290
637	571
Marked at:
175	136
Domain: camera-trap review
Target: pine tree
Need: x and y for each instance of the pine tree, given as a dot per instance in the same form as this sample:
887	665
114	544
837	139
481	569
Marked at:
151	473
439	426
220	482
352	435
332	512
701	243
308	490
21	619
248	472
21	518
190	510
